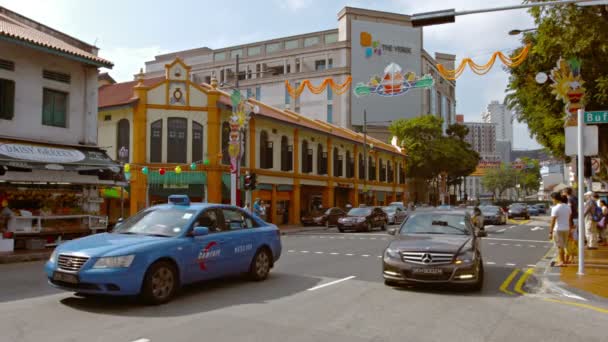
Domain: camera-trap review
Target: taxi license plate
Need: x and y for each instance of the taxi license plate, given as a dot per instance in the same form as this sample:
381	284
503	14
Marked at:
428	270
65	277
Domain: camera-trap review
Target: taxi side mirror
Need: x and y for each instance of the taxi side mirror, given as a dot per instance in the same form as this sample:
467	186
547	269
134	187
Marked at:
200	231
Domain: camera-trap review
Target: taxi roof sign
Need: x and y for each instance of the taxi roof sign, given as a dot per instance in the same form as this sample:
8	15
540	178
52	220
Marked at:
179	199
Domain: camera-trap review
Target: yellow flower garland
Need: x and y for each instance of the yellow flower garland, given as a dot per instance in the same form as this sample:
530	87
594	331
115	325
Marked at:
484	69
338	89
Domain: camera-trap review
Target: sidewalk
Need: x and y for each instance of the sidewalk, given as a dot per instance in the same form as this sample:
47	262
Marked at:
292	229
595	279
25	255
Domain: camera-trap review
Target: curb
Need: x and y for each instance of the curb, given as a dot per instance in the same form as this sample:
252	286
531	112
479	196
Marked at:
303	230
16	258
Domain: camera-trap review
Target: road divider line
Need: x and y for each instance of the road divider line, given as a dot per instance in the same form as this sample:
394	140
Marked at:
318	252
505	284
334	253
365	255
522	280
142	340
536	228
510	264
581	305
303	251
330	283
291	251
490	263
517	240
501	230
349	254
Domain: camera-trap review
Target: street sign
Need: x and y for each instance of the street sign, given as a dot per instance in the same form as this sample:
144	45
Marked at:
595	165
590	137
598	117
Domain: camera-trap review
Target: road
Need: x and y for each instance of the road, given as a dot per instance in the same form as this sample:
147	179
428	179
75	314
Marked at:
327	286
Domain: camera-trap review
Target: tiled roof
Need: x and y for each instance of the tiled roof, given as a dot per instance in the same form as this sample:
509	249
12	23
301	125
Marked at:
16	30
122	93
294	118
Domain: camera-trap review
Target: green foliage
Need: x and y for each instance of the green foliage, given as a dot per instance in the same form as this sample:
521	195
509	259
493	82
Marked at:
563	31
529	178
500	179
430	153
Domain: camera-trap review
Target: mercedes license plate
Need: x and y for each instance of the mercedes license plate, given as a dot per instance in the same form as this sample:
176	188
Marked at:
65	277
428	270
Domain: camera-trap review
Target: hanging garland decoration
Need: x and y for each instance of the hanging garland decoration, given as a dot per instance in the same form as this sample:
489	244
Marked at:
127	168
338	89
394	82
510	62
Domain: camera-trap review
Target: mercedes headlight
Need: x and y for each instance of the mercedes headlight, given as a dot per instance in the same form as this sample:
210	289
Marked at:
114	262
465	258
390	253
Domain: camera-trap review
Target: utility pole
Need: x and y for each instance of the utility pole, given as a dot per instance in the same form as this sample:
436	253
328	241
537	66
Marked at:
235	175
366	173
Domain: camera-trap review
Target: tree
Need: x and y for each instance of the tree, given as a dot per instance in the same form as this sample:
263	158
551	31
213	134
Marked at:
500	179
563	31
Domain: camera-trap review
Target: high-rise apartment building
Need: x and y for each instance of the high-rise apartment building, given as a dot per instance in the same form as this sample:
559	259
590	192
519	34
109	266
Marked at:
482	138
499	114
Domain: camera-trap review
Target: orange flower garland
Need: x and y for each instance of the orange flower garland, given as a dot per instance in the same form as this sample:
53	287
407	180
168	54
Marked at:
338	89
484	69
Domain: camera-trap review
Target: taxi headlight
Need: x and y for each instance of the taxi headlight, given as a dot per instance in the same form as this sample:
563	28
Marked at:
53	256
114	262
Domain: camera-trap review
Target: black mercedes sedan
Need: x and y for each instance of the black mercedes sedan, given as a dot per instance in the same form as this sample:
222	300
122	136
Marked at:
434	247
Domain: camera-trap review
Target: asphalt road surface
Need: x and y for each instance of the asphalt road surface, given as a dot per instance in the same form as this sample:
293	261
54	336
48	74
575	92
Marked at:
327	286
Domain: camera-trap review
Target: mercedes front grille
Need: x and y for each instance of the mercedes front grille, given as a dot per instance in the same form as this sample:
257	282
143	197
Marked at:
71	263
427	258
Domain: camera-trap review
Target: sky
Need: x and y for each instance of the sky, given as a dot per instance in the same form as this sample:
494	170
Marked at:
132	32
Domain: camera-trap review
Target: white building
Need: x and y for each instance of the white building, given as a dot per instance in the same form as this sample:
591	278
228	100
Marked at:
482	138
361	46
500	115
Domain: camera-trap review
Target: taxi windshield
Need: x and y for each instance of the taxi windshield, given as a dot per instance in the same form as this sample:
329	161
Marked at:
156	222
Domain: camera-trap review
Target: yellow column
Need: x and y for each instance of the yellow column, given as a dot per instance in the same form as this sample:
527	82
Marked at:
295	204
214	143
273	205
137	196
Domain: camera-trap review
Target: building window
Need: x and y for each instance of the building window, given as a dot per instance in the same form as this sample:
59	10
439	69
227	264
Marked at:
291	44
433	101
248	92
266	151
401	174
331	38
297	101
54	108
57	76
220	56
320	65
321	160
156	141
258	93
234	53
123	133
439	109
177	143
244	148
350	165
274	47
306	158
330	113
311	41
7	65
287	97
254	51
429	101
361	167
337	161
382	170
330	94
371	168
197	142
225	141
7	99
286	155
391	175
330	63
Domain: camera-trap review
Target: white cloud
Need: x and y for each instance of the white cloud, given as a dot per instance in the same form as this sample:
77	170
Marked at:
294	5
128	60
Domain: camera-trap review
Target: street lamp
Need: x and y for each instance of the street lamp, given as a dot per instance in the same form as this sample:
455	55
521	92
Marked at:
518	32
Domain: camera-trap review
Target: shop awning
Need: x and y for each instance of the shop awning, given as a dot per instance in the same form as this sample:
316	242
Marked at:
183	178
113	192
20	154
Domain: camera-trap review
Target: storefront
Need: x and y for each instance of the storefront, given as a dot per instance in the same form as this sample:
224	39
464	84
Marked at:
51	192
191	183
342	195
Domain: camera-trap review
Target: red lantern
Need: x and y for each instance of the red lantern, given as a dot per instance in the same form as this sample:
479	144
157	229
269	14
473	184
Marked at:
162	171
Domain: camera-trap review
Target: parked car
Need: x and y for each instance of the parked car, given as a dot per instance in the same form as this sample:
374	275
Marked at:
542	209
533	210
434	247
309	218
493	215
395	214
329	217
156	251
398	204
363	219
518	210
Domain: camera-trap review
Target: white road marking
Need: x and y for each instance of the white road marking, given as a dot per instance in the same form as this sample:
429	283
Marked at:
490	263
518	240
365	255
361	238
332	237
379	256
341	237
492	243
330	283
532	246
291	251
349	254
530	265
318	252
501	230
384	239
512	227
490	226
334	253
142	340
504	244
372	238
321	237
518	245
510	264
536	228
303	251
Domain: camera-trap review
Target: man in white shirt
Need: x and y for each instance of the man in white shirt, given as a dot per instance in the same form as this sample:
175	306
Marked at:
560	223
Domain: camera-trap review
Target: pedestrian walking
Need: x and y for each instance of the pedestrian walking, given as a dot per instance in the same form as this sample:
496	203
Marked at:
573	204
603	223
591	218
477	220
257	208
560	226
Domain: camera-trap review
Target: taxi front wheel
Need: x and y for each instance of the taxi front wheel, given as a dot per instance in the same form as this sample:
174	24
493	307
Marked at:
160	283
260	265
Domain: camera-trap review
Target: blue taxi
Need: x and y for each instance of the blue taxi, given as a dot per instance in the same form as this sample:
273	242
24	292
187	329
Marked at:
157	250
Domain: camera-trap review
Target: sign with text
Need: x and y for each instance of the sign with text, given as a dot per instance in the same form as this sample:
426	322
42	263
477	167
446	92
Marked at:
590	137
598	117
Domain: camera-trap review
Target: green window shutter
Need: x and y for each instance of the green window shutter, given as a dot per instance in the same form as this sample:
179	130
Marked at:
47	107
7	99
59	109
